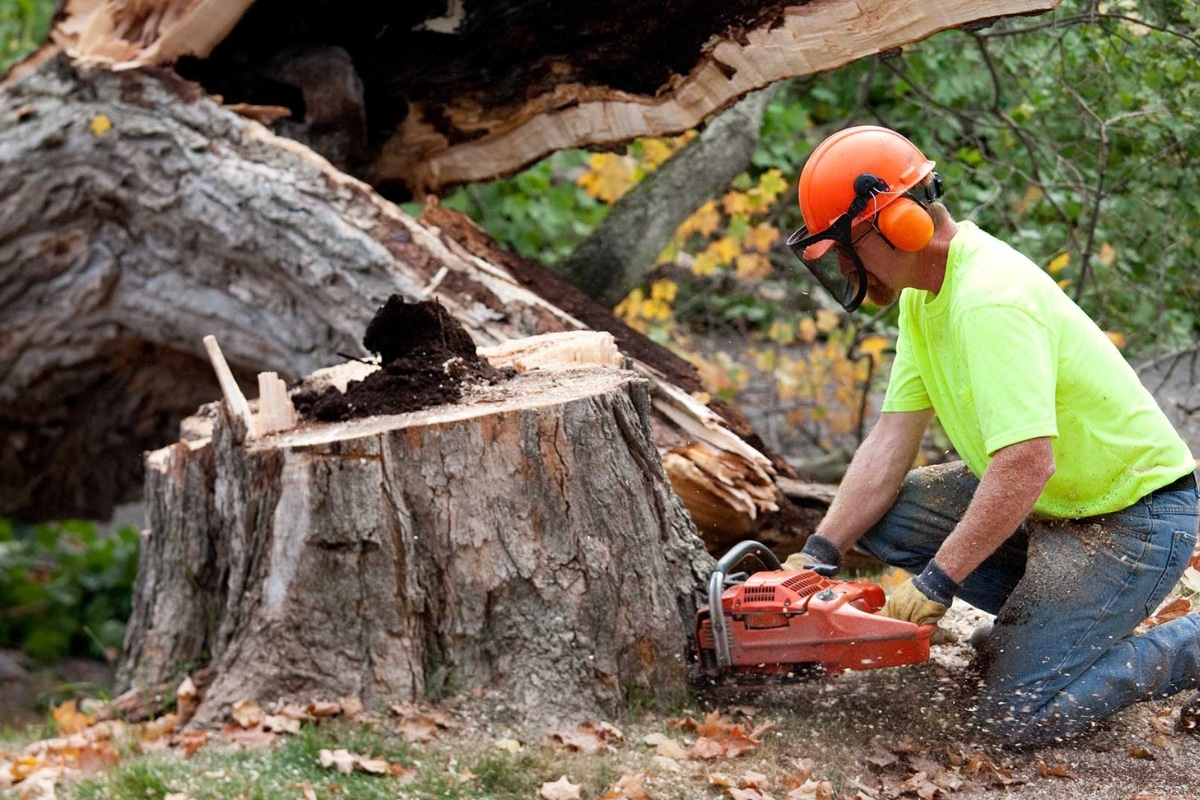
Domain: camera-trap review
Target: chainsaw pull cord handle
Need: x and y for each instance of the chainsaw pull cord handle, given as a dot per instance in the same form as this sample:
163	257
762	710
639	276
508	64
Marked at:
716	585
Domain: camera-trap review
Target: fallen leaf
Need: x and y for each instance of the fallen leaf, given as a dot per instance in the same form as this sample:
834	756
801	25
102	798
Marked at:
372	766
671	749
323	708
811	790
629	787
254	737
1142	753
417	730
561	789
339	759
68	719
281	724
720	780
191	741
306	789
1055	771
247	713
583	741
752	780
746	794
665	764
187	699
508	745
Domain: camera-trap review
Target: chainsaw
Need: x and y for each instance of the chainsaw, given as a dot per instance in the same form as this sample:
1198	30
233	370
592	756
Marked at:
777	623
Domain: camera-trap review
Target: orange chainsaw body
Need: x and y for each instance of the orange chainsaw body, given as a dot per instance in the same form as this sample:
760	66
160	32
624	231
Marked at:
780	622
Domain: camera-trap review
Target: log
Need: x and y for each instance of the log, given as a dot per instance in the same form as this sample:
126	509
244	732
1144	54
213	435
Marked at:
522	541
416	97
138	215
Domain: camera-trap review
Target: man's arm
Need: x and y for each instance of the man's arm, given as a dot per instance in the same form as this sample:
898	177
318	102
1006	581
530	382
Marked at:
1011	485
873	479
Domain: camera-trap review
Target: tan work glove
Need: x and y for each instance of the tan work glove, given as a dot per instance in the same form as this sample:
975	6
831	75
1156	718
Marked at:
819	554
909	603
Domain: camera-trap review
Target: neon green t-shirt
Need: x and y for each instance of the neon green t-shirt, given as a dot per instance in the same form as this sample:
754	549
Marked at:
1002	355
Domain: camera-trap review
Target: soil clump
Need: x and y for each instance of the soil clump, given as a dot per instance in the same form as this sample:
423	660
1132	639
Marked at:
426	359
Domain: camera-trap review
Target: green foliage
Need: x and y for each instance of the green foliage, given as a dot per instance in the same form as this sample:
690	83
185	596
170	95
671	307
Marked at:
64	588
23	25
540	213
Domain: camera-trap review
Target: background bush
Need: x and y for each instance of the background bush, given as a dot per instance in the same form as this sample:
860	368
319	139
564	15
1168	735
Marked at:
65	589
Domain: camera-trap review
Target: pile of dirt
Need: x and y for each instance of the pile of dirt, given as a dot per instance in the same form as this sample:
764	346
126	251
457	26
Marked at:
426	359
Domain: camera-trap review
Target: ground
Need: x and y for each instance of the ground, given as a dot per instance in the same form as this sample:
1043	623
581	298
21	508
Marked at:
888	733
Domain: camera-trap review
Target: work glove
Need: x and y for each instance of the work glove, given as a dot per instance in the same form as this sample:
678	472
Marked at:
924	600
818	554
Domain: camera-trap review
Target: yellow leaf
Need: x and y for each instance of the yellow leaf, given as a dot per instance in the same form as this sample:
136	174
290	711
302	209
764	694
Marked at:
705	264
664	290
808	330
737	204
1116	338
752	266
1058	263
873	346
705	220
1107	255
101	124
760	237
726	249
655	152
609	176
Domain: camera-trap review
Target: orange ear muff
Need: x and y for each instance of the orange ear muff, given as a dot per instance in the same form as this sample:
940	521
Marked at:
906	224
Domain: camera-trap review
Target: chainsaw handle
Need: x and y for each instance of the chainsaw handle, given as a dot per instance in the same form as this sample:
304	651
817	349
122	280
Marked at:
716	585
743	550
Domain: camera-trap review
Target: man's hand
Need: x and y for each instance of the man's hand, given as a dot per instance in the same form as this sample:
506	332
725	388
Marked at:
920	600
910	604
819	554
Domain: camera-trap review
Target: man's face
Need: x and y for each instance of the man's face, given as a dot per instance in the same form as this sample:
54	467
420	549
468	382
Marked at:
874	252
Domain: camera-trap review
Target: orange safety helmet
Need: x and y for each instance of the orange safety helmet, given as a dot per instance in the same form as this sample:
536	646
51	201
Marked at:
860	173
829	183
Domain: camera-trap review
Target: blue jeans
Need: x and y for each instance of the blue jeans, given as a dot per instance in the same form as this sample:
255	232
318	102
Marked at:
1067	595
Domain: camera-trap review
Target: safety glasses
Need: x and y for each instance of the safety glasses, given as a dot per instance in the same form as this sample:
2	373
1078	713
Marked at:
831	258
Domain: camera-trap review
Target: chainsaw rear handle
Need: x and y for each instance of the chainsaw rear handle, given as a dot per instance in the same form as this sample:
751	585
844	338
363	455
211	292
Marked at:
716	586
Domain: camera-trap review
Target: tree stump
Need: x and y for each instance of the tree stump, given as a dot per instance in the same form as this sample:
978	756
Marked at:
523	539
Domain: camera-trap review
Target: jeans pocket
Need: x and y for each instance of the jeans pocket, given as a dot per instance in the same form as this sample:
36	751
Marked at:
1183	542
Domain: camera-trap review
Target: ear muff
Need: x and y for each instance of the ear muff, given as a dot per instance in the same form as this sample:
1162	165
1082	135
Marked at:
905	224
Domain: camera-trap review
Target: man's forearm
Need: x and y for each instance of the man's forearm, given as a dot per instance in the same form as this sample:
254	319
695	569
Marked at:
873	479
1011	486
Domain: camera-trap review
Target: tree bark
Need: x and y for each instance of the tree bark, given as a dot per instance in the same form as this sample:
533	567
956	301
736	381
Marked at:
524	541
621	251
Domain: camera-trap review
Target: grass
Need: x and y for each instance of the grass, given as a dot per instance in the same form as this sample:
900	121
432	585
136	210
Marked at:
225	773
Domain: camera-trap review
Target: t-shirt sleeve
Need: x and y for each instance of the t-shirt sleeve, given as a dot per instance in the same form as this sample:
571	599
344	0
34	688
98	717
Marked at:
1012	360
905	390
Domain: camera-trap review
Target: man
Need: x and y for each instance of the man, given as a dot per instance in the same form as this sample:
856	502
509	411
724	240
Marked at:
1074	509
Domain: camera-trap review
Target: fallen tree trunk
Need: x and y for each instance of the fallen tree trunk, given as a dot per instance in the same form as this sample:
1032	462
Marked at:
523	541
137	216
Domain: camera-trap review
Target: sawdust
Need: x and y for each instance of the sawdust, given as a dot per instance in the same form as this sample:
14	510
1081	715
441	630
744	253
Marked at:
426	359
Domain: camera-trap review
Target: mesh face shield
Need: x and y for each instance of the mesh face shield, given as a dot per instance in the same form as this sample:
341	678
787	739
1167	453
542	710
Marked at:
832	260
